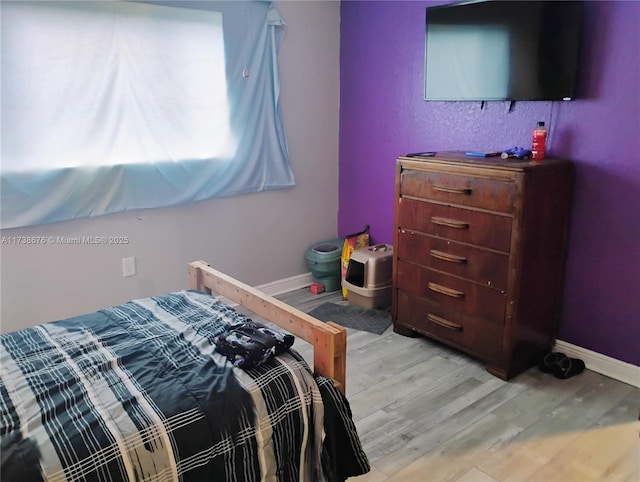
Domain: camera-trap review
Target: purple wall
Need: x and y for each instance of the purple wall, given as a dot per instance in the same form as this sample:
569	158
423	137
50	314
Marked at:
383	115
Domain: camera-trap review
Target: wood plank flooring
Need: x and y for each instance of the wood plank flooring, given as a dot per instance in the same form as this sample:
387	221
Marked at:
425	412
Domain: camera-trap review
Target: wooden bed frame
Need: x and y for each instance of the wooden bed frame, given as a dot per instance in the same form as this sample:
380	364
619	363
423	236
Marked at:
329	340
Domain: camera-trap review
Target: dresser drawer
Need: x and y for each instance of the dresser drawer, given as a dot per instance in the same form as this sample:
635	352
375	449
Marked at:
459	329
456	293
459	189
458	224
483	266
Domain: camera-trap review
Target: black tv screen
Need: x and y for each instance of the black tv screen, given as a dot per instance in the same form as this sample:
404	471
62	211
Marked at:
502	50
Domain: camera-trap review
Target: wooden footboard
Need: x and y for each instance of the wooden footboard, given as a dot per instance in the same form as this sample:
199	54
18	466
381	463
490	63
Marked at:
329	340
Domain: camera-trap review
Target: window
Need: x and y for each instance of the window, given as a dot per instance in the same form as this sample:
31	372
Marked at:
111	106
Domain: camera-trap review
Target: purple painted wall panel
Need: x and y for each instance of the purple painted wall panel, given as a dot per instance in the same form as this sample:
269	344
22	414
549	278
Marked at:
383	115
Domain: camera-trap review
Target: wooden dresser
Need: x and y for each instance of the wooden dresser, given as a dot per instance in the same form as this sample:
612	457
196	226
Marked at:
479	255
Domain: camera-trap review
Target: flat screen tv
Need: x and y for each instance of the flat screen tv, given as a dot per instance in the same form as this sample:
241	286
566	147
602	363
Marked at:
502	50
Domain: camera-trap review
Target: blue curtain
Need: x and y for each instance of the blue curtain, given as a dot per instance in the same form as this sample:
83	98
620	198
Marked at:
255	160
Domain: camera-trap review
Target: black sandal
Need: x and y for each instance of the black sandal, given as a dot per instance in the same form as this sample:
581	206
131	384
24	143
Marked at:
568	367
549	361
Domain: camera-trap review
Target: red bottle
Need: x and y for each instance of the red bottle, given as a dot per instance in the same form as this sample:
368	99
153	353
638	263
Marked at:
539	144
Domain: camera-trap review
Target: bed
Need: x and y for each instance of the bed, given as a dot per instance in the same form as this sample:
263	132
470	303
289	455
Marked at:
139	392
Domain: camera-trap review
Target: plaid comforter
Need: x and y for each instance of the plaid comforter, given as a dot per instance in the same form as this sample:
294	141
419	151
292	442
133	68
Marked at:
137	392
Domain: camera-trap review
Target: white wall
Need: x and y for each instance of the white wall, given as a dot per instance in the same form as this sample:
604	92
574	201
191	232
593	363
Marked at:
257	238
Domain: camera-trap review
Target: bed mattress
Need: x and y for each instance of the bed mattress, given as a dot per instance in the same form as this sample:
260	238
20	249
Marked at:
138	392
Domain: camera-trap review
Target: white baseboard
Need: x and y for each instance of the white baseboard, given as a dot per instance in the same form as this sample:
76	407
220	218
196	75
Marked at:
605	365
278	287
285	285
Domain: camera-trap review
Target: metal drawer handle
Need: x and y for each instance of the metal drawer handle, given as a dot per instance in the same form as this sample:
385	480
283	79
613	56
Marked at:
442	322
452	258
452	189
451	223
445	291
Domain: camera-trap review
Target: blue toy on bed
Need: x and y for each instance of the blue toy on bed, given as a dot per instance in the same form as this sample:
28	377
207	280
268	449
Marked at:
249	344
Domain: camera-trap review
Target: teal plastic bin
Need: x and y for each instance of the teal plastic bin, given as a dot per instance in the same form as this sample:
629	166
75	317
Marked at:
323	260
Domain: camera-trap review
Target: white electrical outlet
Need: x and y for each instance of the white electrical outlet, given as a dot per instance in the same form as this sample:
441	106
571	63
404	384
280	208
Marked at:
128	266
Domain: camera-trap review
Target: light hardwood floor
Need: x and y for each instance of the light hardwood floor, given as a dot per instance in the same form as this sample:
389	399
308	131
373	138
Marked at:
425	412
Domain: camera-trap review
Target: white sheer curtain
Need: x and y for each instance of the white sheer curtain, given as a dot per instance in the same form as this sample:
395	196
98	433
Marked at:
110	106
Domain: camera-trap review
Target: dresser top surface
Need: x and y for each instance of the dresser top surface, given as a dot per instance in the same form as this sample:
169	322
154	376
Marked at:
493	162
